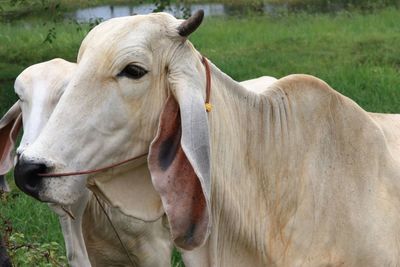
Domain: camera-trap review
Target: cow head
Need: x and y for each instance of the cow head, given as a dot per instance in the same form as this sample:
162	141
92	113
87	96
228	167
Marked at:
139	87
38	88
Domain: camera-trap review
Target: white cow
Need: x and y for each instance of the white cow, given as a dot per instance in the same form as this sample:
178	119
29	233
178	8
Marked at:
295	175
39	88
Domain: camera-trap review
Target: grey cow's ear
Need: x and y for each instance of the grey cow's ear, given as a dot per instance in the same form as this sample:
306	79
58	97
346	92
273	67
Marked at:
10	126
179	163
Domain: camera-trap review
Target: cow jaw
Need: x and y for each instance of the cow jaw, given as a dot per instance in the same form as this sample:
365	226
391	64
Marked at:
63	190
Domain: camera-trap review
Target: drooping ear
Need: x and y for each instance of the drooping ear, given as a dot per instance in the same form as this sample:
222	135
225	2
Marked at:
179	163
10	126
129	189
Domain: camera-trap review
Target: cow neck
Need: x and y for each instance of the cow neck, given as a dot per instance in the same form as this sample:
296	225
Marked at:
208	108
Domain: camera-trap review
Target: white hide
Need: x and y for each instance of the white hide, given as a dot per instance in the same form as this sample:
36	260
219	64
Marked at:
258	85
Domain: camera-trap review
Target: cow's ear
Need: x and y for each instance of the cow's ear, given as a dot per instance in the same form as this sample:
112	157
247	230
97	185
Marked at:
179	156
179	162
10	126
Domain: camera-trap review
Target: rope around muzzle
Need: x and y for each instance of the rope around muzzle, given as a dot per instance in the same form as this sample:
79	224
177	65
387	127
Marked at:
63	174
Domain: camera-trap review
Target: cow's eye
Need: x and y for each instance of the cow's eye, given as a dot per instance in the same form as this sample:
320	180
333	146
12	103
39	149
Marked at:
133	72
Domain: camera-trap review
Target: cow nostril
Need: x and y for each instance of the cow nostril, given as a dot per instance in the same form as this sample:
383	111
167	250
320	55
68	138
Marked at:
27	178
34	180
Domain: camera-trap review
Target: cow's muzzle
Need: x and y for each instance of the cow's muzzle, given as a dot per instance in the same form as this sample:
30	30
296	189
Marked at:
27	178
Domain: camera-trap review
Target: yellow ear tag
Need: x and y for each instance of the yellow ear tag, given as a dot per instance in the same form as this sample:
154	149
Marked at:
208	107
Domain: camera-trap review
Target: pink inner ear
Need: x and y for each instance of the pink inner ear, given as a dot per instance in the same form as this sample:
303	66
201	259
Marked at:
5	140
8	135
176	181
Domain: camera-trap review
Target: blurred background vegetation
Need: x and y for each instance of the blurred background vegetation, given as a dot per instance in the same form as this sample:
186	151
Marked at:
351	44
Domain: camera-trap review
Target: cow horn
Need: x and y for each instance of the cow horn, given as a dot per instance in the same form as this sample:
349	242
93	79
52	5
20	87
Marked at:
191	24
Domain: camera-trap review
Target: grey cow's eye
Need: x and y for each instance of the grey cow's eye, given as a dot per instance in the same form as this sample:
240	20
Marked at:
133	72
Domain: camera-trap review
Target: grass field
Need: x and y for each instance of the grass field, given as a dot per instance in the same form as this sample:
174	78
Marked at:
358	55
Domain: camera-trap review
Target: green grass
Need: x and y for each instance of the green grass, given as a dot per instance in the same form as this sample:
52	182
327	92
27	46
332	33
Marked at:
358	55
25	214
31	224
22	44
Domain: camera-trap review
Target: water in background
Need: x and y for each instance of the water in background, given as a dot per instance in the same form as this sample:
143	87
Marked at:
105	12
211	9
